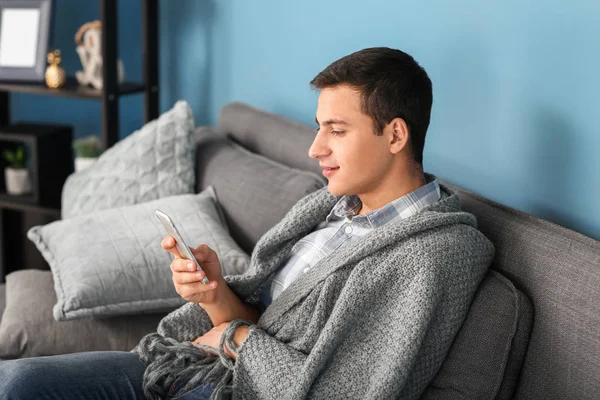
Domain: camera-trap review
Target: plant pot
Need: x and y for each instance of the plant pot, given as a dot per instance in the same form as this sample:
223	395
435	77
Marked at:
82	163
17	181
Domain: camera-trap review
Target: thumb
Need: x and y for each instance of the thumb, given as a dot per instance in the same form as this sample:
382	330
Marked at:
205	253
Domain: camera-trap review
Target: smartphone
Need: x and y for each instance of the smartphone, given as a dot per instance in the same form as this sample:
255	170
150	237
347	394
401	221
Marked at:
182	247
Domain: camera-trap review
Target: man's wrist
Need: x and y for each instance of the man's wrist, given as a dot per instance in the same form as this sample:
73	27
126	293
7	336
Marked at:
241	333
239	336
229	307
219	293
217	310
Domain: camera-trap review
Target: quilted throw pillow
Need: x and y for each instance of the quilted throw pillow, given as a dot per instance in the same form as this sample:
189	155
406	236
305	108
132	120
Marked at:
153	162
111	263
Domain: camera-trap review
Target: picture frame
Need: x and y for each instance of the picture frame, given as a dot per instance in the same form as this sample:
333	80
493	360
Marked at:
25	33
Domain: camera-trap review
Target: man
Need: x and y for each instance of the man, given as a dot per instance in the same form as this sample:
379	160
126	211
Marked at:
357	293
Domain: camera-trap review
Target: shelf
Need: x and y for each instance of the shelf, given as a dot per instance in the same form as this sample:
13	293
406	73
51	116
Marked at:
13	205
50	162
28	131
24	199
70	89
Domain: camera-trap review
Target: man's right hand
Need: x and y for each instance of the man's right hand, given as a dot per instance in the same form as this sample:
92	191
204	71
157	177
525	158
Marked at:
216	298
187	280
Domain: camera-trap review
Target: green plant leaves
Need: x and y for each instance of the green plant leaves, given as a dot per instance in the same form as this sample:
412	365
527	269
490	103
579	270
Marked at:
16	158
87	147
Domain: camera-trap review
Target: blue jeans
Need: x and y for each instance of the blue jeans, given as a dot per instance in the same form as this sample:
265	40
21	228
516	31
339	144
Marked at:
90	375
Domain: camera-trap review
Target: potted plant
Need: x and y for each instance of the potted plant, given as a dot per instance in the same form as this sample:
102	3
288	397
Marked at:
16	175
87	150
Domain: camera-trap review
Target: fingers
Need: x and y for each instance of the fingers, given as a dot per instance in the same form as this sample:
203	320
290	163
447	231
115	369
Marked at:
184	272
168	243
191	290
181	278
182	265
204	253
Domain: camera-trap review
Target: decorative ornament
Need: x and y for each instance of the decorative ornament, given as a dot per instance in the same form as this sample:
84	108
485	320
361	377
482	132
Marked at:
55	74
89	47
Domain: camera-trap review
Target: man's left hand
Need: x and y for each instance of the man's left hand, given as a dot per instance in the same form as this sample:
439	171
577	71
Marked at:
213	337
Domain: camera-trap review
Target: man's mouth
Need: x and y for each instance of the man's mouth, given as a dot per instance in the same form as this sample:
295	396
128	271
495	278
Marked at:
328	171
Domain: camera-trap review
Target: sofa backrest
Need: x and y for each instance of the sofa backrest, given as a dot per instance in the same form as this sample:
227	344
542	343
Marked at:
558	270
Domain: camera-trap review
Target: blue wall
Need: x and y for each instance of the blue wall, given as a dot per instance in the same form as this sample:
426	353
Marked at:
516	84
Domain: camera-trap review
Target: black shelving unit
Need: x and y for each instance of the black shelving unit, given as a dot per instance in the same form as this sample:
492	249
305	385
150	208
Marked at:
112	90
70	89
48	170
12	224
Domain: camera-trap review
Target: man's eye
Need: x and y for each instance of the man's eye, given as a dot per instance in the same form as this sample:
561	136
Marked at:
317	129
337	133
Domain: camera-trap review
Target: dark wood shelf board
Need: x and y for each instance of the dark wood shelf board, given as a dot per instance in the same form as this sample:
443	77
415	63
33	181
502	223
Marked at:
28	131
131	88
71	89
24	199
11	205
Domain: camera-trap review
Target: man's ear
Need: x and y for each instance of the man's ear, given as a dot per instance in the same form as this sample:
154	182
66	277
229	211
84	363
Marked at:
398	134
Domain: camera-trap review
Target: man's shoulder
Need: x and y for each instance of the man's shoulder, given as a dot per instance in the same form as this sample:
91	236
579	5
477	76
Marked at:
454	243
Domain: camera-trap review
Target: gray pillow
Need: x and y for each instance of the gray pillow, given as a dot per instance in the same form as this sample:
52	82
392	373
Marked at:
254	192
28	329
111	263
273	136
2	299
153	162
486	356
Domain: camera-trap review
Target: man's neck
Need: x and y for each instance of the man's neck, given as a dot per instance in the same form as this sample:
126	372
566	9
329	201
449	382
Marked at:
387	193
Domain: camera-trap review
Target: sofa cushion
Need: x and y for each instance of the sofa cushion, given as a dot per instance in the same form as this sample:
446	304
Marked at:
486	356
27	328
111	263
270	135
254	192
153	162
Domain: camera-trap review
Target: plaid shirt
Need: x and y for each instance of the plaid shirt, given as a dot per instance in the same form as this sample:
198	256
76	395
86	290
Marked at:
341	226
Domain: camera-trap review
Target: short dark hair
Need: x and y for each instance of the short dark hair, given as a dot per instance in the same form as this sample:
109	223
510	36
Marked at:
392	84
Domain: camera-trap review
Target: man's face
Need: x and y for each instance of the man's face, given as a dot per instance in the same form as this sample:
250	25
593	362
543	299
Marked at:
346	142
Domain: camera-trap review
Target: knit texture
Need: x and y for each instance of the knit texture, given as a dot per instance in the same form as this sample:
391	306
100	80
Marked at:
374	319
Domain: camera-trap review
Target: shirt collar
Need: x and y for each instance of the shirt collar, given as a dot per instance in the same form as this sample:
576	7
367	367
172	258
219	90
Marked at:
402	207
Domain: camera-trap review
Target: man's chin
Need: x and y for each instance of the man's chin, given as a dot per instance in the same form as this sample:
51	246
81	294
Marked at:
335	190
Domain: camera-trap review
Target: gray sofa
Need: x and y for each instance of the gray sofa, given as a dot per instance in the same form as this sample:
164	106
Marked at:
533	331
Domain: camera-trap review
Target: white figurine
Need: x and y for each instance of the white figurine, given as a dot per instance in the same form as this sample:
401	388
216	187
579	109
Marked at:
90	54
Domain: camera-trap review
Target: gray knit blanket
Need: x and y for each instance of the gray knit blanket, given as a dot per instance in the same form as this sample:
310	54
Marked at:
373	320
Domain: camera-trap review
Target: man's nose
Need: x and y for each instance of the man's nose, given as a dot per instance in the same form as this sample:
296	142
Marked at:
318	148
